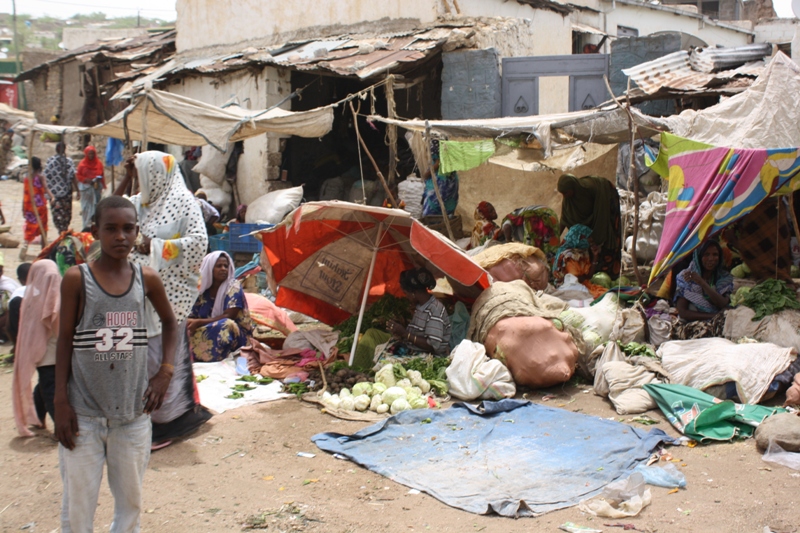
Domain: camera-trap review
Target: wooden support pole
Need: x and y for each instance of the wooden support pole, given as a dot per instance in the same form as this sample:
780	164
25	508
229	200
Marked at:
631	175
434	176
389	194
391	129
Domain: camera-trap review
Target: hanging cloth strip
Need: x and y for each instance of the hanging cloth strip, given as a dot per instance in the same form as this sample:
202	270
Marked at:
466	155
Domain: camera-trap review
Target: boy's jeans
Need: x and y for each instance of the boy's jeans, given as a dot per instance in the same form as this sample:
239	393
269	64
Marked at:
126	450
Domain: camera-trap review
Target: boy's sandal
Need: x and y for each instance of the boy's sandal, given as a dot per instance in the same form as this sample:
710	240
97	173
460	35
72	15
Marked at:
158	445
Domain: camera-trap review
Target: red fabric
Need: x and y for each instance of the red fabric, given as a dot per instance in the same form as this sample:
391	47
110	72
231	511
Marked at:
89	170
29	203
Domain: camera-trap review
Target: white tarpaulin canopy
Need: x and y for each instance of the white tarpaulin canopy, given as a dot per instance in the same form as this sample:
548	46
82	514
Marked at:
766	115
172	119
606	125
12	114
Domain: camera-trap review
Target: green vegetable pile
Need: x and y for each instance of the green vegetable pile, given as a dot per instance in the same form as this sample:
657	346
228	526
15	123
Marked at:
738	297
432	369
769	297
635	348
388	307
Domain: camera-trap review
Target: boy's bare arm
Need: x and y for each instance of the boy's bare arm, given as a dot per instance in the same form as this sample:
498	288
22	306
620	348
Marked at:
65	420
159	383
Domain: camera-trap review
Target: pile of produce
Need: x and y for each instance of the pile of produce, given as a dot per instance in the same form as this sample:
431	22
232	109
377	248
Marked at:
393	391
387	308
605	281
769	297
338	376
636	348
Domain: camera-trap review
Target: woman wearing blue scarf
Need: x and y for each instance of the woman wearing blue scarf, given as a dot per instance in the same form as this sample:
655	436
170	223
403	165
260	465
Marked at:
703	292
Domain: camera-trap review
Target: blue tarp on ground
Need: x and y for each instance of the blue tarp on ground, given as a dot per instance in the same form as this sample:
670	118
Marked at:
511	457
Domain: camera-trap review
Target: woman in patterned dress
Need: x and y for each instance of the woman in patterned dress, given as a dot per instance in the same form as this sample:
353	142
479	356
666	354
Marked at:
34	200
219	322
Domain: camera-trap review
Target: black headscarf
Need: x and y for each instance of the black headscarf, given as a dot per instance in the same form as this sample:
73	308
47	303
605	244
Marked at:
417	279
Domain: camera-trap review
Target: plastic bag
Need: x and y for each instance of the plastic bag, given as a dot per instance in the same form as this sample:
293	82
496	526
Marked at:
472	374
620	499
667	476
272	207
779	456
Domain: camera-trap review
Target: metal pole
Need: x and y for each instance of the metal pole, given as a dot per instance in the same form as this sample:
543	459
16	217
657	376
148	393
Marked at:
366	292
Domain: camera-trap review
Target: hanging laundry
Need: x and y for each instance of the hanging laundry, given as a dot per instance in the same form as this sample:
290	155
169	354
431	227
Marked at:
466	155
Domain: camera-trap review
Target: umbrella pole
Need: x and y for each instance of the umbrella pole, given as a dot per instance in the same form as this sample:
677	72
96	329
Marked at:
366	293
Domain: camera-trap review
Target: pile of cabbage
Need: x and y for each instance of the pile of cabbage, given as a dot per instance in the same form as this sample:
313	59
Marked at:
387	394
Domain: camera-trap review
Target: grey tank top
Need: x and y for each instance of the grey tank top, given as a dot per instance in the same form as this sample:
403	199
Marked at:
109	351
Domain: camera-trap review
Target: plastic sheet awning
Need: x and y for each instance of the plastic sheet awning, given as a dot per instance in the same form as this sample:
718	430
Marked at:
173	119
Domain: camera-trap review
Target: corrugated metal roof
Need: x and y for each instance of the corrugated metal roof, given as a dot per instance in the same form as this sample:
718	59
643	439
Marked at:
716	59
674	71
126	49
361	55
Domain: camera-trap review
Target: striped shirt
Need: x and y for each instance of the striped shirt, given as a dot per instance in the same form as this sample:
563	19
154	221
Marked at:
432	322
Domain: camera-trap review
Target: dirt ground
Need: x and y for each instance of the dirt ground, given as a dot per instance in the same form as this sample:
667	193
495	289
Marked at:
241	471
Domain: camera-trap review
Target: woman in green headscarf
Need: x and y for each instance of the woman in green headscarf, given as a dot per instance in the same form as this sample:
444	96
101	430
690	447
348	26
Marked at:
594	202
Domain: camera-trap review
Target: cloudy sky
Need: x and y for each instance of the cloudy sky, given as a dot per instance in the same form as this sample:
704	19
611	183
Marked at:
163	9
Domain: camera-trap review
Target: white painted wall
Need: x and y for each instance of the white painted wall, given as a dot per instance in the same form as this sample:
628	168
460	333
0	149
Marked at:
651	19
204	23
263	90
776	31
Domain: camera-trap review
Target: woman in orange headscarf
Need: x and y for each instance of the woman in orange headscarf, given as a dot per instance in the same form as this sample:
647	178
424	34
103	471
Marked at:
91	184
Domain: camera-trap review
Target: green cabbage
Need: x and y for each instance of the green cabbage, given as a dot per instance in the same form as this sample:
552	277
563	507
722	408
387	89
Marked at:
362	388
345	393
378	388
361	403
602	279
382	409
418	403
375	402
386	376
392	394
348	404
398	405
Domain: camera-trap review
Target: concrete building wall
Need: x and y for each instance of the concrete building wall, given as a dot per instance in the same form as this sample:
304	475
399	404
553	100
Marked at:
259	166
77	37
204	23
776	31
648	20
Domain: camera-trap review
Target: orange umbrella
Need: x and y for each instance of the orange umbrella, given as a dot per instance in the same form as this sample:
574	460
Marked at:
324	254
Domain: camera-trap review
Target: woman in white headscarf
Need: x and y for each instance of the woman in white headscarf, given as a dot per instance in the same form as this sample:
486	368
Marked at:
219	322
174	241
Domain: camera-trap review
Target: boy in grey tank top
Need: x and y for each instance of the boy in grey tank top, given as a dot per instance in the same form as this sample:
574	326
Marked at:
103	398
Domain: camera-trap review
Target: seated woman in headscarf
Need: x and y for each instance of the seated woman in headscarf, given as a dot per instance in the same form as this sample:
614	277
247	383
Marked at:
702	292
594	202
534	225
578	256
429	329
219	322
485	226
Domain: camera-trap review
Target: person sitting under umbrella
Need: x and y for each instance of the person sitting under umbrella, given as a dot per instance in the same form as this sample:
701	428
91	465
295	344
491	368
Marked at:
429	329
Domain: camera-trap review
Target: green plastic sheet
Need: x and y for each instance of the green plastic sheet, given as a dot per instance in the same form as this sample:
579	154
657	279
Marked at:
703	417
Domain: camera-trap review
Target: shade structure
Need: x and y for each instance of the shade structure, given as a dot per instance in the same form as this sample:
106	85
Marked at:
711	187
324	255
173	119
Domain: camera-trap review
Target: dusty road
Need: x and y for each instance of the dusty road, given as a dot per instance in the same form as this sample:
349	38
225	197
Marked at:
242	468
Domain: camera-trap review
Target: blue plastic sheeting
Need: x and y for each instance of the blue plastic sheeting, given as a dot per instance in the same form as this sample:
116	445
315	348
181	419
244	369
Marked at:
511	457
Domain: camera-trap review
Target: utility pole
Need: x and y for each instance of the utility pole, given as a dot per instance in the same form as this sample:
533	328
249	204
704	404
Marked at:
138	17
21	96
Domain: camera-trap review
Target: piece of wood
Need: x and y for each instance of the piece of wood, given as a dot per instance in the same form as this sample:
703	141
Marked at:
113	179
434	175
391	130
389	194
458	8
631	172
32	192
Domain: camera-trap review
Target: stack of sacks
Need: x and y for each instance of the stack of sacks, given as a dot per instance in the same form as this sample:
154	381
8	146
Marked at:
211	168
